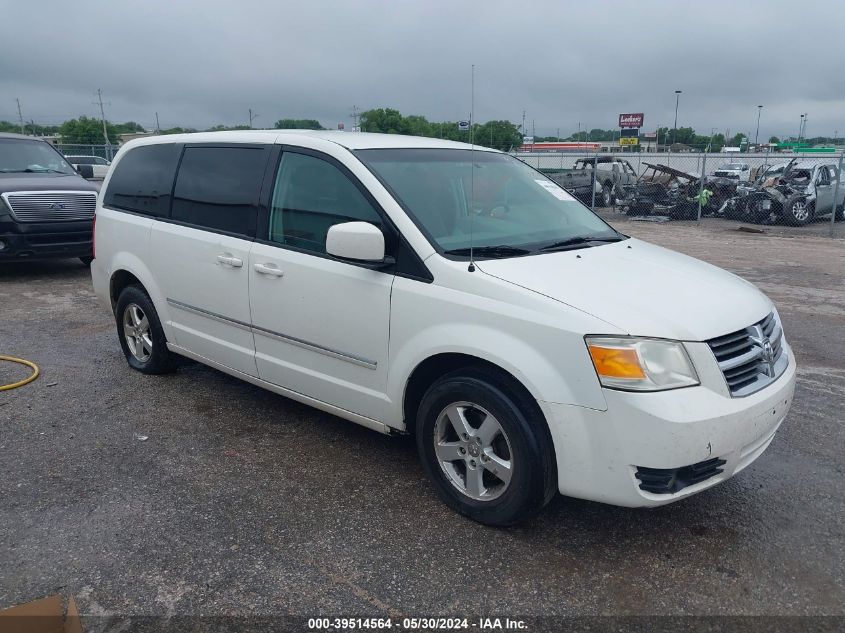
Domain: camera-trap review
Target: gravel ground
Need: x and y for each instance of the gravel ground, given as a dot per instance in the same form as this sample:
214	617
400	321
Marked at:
199	494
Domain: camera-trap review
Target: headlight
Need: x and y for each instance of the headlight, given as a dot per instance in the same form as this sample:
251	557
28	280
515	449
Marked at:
641	364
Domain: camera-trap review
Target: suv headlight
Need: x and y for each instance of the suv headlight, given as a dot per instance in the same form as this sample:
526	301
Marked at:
641	364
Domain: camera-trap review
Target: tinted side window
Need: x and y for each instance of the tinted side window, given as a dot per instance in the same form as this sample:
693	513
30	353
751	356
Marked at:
312	195
218	188
142	180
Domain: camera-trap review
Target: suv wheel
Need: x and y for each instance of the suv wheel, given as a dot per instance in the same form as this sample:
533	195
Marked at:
797	211
486	448
141	336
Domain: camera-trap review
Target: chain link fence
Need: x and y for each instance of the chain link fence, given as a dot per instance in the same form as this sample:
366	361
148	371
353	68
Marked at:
102	151
758	187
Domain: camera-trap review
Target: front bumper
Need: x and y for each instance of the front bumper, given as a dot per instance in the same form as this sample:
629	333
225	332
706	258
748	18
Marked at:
598	452
21	242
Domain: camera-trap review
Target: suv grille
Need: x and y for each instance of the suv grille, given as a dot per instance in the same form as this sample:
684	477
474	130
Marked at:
51	206
751	358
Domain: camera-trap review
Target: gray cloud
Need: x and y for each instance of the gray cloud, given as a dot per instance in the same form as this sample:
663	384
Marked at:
198	62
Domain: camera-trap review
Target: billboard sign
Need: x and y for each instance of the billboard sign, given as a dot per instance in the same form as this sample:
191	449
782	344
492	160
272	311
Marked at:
463	126
631	120
629	140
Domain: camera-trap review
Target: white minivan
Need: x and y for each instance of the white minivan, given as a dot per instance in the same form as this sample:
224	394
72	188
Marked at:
414	285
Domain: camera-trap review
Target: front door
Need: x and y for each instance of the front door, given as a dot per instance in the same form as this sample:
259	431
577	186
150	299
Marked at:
824	192
200	254
321	325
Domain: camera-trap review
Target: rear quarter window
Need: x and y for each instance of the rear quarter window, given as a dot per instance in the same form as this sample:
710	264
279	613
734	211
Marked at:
143	179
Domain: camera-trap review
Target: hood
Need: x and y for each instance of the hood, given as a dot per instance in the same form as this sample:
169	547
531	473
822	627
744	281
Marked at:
44	182
640	288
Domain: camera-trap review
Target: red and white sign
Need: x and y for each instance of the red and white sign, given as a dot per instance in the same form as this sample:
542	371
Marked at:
631	120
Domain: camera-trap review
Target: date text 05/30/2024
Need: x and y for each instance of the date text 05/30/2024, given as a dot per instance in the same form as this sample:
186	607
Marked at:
413	624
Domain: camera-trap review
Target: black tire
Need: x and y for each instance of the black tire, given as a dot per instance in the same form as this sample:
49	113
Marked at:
528	444
86	260
159	360
606	198
792	210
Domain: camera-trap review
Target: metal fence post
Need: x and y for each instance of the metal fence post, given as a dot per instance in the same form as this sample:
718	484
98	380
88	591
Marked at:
836	195
595	169
701	185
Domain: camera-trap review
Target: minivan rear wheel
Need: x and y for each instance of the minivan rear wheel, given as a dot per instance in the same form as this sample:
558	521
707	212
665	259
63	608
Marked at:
484	447
141	335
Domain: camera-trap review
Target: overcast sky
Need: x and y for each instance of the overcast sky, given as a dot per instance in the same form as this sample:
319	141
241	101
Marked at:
203	62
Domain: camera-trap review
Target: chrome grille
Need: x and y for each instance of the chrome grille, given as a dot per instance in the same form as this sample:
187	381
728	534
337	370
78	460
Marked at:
751	358
51	206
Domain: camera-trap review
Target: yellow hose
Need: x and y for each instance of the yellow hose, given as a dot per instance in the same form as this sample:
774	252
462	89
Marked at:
25	381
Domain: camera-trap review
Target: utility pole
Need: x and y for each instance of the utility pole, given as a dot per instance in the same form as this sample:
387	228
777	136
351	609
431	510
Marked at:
252	117
158	127
103	116
757	133
20	116
522	129
355	119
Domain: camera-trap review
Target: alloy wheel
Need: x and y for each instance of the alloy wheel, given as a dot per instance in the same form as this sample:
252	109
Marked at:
800	211
473	451
136	331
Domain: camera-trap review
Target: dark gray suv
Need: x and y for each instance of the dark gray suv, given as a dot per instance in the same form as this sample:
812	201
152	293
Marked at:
46	207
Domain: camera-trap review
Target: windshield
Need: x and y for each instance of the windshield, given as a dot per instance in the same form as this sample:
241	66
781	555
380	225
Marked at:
21	156
502	203
732	166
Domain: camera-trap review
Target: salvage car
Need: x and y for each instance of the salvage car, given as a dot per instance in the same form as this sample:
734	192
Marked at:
612	174
661	190
428	287
46	207
734	171
795	194
579	182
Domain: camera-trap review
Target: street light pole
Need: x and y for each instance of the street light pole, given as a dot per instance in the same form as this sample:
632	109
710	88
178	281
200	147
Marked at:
675	130
800	128
757	133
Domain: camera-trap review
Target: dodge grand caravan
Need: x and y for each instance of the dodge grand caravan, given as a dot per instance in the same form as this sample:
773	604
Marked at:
421	286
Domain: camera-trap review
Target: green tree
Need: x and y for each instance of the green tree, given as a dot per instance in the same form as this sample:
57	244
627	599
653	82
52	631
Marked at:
298	124
86	131
774	139
384	120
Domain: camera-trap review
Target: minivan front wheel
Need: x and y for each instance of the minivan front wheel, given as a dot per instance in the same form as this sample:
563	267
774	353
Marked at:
141	336
484	447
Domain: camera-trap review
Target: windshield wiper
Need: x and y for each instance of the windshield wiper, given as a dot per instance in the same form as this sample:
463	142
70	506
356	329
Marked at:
581	241
33	171
502	250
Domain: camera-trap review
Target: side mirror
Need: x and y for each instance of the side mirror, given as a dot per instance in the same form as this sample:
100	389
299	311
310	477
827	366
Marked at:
86	171
358	242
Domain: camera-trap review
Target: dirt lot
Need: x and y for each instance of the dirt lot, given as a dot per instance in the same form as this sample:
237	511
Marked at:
243	502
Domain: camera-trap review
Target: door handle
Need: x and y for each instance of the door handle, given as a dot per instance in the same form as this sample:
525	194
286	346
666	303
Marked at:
230	260
268	269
